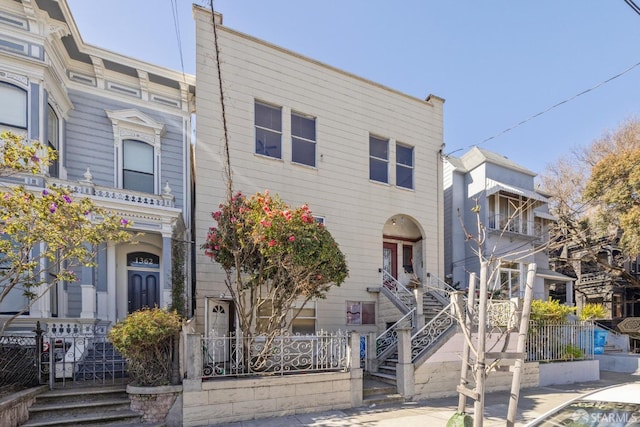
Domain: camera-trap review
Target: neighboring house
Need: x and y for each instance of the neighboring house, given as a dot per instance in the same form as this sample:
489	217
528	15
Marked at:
122	130
366	158
514	218
598	285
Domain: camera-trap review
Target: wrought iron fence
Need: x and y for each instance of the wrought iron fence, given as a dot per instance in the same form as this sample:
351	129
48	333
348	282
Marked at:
501	314
553	342
72	359
18	361
61	355
237	355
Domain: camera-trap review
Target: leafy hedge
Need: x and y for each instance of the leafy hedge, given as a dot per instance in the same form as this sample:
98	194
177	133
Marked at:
145	339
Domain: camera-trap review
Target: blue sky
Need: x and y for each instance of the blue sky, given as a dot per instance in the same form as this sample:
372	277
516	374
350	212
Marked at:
496	62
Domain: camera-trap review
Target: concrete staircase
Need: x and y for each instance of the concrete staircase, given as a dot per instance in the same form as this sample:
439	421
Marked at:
83	406
376	392
430	307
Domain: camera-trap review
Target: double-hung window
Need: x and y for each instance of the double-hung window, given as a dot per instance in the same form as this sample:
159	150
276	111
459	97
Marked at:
305	321
378	159
137	171
13	108
268	121
303	139
137	161
404	166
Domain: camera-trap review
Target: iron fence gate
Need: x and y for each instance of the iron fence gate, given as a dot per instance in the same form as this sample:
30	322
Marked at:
71	357
63	354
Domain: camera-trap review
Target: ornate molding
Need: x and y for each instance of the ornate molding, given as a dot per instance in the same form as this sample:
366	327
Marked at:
57	30
18	78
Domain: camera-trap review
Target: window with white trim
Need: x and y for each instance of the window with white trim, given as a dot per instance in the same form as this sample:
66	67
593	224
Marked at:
53	140
404	166
303	139
268	122
305	321
378	159
137	148
137	166
13	107
508	281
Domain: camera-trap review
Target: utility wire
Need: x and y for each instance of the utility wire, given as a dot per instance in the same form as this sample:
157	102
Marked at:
633	6
176	25
564	101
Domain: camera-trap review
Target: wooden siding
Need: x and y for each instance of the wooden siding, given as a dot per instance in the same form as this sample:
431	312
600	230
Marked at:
89	139
347	110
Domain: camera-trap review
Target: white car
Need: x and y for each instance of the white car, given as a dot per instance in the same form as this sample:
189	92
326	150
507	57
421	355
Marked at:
615	406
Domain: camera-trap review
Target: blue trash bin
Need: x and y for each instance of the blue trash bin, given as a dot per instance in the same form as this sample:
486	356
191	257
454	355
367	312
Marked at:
599	341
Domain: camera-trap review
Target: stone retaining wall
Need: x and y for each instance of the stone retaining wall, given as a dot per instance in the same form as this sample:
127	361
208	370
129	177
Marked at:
14	409
153	403
229	400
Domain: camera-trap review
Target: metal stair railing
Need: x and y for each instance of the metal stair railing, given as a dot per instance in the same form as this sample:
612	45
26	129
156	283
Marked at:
389	338
439	288
429	333
399	291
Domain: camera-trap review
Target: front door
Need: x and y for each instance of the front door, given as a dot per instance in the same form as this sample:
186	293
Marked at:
218	328
390	258
144	290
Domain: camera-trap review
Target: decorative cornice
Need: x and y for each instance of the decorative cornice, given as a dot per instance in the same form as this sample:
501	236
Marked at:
98	69
57	29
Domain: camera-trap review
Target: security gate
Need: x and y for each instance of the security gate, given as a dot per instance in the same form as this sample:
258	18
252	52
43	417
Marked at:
70	356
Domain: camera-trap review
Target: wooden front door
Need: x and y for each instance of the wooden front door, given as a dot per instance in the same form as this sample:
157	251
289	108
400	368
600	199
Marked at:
144	290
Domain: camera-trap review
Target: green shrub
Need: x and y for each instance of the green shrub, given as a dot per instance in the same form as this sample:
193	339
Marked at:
145	339
593	311
550	310
572	352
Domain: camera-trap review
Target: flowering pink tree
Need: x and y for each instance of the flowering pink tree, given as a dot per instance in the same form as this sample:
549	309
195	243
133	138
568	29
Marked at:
273	256
46	234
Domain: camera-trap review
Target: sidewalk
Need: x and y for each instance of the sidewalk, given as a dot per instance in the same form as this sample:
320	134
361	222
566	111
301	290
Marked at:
533	402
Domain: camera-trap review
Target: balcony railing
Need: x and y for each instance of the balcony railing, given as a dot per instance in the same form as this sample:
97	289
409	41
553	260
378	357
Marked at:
516	225
88	188
595	278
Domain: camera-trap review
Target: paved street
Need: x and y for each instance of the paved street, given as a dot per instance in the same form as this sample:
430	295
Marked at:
533	402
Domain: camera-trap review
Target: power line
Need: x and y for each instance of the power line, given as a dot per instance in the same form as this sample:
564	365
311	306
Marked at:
564	101
633	6
176	25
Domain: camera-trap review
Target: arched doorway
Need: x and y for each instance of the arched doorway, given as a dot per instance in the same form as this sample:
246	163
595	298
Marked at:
402	249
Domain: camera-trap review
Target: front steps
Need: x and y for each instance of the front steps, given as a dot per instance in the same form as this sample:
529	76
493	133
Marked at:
83	406
376	392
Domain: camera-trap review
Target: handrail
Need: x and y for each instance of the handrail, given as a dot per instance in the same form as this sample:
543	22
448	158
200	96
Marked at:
443	289
398	290
608	329
389	337
430	332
